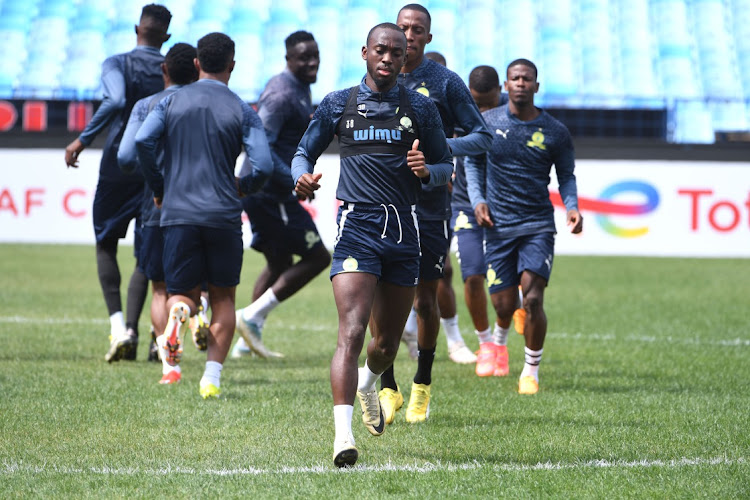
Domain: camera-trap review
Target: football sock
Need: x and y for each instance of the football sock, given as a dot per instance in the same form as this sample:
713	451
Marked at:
116	323
367	379
531	366
204	303
109	274
261	307
452	333
388	379
484	336
500	335
424	366
520	298
342	421
212	374
411	322
165	368
137	291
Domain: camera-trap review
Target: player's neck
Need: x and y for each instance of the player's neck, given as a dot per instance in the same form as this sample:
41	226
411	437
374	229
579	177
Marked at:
524	112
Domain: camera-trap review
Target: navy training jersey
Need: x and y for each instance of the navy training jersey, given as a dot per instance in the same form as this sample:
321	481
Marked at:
512	178
285	108
204	126
457	110
142	76
373	166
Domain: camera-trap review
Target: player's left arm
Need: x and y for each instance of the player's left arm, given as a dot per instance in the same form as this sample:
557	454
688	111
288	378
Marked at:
146	141
127	157
565	168
437	156
258	153
478	138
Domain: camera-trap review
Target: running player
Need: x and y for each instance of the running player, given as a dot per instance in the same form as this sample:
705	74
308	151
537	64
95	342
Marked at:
381	127
281	227
457	109
178	69
126	78
204	127
508	190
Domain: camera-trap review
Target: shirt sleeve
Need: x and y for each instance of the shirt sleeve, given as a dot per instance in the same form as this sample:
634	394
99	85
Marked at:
565	167
258	152
113	100
146	141
273	115
475	167
127	156
478	138
319	134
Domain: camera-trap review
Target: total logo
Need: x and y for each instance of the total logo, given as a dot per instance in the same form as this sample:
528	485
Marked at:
606	206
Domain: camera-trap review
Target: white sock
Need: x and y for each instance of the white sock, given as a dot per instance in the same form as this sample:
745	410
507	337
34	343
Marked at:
411	322
204	303
367	379
520	298
452	333
212	374
165	368
531	366
484	336
500	335
342	421
117	324
260	308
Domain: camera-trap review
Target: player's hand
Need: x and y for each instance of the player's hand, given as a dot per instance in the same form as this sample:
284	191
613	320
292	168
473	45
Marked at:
415	161
72	151
157	202
306	186
482	214
575	221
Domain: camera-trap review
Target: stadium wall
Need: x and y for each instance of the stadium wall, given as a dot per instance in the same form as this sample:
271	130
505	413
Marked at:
630	207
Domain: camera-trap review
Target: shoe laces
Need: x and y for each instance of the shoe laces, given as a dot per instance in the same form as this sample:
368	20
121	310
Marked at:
420	398
372	403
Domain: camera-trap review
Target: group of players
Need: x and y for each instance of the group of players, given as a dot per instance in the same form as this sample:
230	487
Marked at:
174	122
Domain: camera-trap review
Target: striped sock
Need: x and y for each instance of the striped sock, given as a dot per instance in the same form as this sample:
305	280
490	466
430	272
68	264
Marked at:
531	366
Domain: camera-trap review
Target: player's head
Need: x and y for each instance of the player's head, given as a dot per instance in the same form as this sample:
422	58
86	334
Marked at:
153	25
437	57
484	85
385	54
302	56
520	82
179	64
216	53
415	20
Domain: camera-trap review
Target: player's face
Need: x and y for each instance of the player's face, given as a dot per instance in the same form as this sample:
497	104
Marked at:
385	55
486	100
303	61
417	30
521	84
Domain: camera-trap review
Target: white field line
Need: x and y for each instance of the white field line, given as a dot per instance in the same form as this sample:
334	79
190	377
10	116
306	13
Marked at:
318	327
12	468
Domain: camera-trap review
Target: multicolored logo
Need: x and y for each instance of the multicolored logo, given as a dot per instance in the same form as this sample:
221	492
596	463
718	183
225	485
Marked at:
605	206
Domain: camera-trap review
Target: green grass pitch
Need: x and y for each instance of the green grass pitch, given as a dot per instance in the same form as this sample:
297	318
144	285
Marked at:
645	392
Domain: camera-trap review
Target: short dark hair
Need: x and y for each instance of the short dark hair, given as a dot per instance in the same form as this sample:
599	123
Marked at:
418	8
298	37
389	26
437	57
158	13
215	52
180	65
483	79
523	62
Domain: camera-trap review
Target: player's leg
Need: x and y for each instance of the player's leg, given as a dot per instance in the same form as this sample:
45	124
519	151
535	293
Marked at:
137	292
470	255
446	296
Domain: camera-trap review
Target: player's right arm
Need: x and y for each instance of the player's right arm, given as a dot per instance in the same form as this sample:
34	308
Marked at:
475	168
146	141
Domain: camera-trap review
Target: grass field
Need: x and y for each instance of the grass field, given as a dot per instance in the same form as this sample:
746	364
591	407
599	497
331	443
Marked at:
645	392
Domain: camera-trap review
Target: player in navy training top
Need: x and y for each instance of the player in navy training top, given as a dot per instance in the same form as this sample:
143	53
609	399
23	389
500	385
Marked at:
126	78
205	126
508	190
281	227
457	108
392	142
178	69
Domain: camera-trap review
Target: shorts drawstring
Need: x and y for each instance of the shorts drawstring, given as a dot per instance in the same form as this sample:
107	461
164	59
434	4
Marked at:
385	226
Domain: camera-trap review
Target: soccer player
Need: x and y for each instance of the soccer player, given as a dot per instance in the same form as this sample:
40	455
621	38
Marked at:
508	190
281	227
178	69
457	109
204	126
391	142
126	78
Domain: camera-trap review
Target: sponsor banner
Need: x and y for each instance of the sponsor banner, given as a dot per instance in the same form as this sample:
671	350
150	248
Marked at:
645	208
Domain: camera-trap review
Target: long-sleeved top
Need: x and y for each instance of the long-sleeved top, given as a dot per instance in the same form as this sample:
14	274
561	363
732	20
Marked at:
376	178
457	110
512	178
205	126
126	78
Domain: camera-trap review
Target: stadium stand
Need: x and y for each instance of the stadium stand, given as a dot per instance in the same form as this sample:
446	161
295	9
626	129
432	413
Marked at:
689	58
